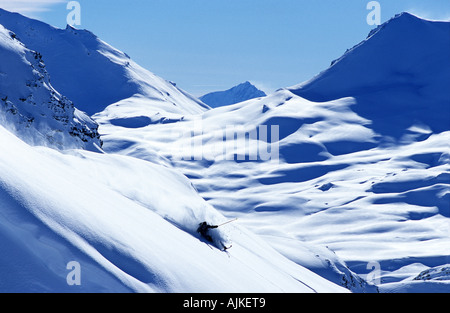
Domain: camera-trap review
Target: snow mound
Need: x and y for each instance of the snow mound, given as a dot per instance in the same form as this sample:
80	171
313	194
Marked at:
431	280
436	273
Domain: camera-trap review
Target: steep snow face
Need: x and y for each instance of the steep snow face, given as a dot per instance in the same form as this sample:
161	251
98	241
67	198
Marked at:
78	60
363	167
31	107
130	224
242	92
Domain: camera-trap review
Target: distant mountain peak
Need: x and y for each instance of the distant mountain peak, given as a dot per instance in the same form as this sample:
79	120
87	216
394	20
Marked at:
246	83
239	93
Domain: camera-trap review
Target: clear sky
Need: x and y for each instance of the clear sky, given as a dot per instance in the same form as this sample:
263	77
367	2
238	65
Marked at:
209	45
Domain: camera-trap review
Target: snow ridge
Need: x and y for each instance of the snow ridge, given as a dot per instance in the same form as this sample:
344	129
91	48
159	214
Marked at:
78	60
31	107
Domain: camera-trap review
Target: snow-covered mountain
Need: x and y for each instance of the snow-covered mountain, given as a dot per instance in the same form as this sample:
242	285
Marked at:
32	108
129	222
402	66
242	92
78	60
352	192
361	184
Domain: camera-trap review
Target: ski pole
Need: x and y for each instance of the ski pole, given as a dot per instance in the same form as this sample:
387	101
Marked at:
234	220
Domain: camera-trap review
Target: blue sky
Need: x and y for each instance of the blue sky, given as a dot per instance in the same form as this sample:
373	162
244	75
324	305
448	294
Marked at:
208	45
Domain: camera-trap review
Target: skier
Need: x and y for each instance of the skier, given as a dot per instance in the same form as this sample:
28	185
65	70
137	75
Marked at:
204	228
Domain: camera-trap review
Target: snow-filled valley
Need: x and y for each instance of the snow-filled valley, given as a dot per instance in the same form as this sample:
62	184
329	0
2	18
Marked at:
341	183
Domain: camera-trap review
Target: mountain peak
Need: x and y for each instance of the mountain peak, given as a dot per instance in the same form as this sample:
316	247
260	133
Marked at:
395	49
406	55
79	60
239	93
404	18
405	15
246	83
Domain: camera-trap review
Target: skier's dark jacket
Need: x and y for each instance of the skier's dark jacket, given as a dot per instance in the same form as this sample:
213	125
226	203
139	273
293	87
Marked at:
203	230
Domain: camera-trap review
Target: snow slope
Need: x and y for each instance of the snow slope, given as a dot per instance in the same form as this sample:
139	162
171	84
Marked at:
130	223
242	92
78	60
363	174
128	232
358	176
32	108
